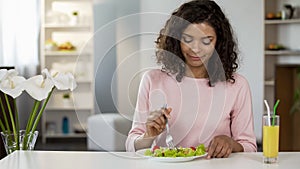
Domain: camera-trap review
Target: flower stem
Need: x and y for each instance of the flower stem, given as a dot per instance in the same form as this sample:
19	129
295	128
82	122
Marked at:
2	126
30	122
32	115
12	122
41	111
17	116
4	115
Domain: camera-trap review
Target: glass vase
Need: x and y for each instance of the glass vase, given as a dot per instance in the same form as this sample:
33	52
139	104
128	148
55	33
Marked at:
22	141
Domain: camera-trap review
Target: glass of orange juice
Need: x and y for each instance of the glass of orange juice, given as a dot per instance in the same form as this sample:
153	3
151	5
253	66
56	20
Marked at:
270	138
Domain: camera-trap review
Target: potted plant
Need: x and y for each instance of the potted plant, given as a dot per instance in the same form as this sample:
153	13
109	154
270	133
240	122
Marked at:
74	18
67	99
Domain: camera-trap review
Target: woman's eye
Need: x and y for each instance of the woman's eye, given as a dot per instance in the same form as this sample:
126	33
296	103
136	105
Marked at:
206	41
187	39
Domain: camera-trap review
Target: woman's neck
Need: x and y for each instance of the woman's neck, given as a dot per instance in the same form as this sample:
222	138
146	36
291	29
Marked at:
197	72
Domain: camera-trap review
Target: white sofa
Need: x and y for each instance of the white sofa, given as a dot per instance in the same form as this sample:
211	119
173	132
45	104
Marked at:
107	132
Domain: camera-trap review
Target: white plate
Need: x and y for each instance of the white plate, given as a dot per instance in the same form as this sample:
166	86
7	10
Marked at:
168	159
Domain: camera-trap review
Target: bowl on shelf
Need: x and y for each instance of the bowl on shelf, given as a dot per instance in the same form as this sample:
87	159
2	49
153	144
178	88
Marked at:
275	46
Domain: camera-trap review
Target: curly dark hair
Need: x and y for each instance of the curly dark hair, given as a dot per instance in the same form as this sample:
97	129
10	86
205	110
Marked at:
223	62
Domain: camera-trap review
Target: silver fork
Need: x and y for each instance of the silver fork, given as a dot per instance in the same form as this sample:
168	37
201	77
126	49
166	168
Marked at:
169	138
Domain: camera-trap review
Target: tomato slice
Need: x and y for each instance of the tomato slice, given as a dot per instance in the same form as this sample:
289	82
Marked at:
193	148
154	148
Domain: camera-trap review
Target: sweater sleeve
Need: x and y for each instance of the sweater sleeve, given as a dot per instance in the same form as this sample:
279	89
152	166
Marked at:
140	115
242	119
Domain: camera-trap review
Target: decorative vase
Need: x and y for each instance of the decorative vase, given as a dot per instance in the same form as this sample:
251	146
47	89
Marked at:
22	141
74	19
66	102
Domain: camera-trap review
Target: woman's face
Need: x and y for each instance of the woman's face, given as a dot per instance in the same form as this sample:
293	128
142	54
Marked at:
198	44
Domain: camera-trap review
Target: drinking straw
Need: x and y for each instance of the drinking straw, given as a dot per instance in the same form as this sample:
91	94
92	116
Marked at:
274	112
268	111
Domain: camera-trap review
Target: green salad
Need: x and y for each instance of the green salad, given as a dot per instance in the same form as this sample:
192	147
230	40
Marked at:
176	152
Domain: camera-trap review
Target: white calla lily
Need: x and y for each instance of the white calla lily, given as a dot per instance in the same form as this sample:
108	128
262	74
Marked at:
38	87
62	81
7	74
12	84
46	73
12	73
3	74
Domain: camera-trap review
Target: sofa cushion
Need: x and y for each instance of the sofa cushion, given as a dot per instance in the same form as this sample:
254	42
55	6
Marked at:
107	132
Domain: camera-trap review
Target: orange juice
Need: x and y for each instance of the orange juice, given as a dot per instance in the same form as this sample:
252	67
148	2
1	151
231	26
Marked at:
270	141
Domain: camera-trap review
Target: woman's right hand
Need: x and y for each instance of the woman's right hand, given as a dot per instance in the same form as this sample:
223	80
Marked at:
156	122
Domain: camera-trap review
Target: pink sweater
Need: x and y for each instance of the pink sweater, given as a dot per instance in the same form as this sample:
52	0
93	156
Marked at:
199	112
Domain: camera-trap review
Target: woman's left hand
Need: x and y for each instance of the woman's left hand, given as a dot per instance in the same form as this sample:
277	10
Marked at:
221	147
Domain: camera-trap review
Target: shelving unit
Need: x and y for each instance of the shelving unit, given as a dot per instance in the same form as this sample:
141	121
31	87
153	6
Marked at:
285	32
65	21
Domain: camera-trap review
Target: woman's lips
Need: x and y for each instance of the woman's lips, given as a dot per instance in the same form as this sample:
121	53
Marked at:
195	58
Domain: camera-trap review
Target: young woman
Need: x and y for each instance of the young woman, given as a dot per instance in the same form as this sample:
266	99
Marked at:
207	101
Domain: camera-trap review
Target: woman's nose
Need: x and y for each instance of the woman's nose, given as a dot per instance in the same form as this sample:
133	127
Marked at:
196	47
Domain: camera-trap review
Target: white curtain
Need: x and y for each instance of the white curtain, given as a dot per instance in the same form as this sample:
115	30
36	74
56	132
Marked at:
19	35
19	43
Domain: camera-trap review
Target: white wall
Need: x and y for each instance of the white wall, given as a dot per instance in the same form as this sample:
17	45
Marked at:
154	14
105	54
127	45
136	32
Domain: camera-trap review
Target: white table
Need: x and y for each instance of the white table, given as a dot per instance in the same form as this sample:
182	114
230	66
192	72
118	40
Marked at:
124	160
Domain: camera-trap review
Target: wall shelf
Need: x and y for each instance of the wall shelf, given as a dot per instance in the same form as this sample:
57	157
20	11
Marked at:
65	53
286	21
66	26
70	135
282	52
75	34
270	83
67	108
